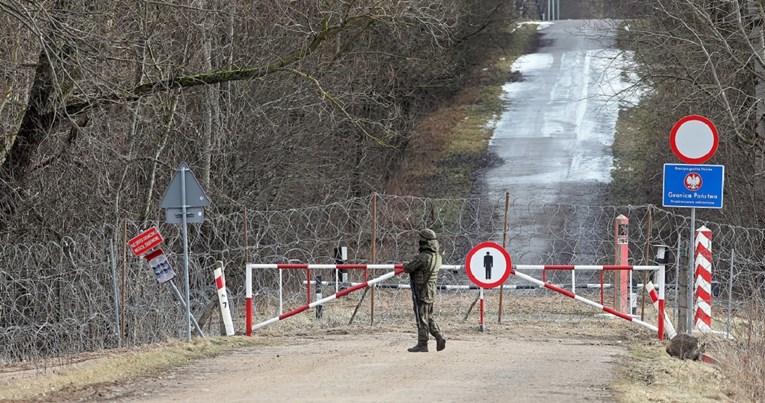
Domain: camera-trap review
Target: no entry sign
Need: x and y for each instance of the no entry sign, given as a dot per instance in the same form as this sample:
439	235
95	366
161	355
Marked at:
694	139
488	265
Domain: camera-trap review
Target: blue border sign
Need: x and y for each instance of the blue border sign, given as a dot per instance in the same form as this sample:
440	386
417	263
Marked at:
699	186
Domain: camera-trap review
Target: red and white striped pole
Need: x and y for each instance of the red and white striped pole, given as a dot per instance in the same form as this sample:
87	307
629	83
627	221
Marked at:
481	308
248	301
703	279
225	311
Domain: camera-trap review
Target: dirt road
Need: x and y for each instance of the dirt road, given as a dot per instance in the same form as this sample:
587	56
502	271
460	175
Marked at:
498	365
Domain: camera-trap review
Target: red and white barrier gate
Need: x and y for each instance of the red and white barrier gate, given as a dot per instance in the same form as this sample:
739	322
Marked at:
570	294
397	269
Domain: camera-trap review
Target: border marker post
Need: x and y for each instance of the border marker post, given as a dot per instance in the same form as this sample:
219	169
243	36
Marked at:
621	256
703	280
225	311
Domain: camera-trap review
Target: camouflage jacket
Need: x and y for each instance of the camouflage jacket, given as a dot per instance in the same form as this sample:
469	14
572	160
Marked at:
424	270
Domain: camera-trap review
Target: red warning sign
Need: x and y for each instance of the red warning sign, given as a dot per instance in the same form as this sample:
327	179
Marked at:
145	241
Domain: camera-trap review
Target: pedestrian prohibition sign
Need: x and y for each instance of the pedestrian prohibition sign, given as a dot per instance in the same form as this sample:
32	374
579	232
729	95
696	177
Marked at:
488	265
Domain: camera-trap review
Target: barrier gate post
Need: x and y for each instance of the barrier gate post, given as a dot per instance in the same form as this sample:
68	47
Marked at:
621	255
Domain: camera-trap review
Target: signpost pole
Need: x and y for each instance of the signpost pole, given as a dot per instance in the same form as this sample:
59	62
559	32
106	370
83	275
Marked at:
184	203
186	254
480	315
118	333
692	247
180	298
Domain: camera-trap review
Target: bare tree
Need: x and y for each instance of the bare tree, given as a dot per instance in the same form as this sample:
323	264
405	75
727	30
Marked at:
274	104
706	57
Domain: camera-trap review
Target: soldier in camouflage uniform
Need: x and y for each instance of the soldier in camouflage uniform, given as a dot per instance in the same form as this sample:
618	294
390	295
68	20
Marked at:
423	272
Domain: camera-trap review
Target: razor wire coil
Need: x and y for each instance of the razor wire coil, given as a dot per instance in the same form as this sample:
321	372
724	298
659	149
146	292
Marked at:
58	298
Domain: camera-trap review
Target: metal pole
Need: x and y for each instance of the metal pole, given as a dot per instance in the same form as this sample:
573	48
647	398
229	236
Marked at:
246	240
677	278
549	6
374	256
480	316
186	254
646	252
553	17
504	246
691	259
116	293
318	297
552	10
374	228
662	285
730	292
180	299
372	306
123	281
557	9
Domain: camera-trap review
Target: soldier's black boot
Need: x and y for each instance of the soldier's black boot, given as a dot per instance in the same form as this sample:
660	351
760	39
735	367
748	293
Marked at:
421	347
440	343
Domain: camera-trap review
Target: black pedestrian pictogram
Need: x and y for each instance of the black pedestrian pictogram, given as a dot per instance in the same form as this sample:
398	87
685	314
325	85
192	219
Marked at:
488	263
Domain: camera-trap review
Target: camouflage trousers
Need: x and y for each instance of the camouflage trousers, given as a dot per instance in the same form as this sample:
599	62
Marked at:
425	323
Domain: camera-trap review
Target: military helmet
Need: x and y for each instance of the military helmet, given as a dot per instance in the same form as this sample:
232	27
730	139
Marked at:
427	234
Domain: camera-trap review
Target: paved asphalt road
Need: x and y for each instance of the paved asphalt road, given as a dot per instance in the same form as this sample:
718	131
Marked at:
554	138
556	133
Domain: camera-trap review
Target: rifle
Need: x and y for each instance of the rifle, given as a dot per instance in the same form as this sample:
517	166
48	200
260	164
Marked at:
414	298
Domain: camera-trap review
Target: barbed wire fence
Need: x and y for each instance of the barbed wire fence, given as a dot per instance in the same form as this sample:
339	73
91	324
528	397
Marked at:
88	292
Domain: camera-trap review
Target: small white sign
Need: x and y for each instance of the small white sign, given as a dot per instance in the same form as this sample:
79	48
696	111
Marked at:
161	267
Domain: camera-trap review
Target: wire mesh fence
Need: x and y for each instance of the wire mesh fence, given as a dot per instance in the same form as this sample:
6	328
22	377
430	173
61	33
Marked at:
89	292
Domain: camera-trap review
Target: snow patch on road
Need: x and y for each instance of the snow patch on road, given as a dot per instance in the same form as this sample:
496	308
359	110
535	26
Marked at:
576	99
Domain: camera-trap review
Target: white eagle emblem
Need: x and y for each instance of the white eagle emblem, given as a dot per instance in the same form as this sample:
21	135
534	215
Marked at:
693	181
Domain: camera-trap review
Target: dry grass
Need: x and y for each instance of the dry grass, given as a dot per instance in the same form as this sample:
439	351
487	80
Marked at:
28	382
742	360
647	373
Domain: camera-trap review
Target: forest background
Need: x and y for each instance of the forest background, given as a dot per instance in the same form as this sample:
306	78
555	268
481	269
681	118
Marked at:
280	105
285	104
